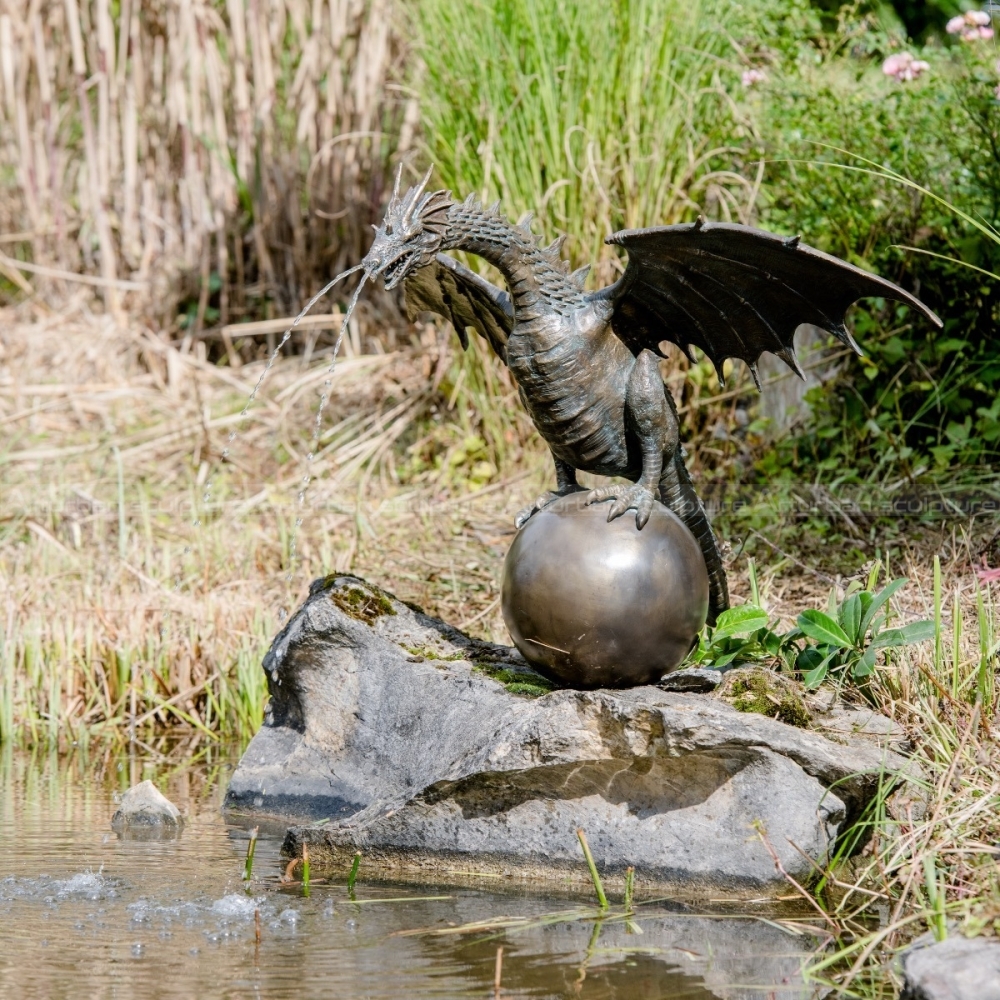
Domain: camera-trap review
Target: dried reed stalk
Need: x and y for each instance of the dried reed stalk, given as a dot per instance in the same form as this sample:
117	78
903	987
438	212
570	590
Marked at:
147	139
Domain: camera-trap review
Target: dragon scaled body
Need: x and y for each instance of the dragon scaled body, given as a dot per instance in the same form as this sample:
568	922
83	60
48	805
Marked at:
586	364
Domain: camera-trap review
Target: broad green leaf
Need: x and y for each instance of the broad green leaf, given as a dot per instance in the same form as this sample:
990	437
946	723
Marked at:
822	628
814	678
817	675
808	659
878	600
866	601
724	660
905	636
850	617
866	664
773	643
739	621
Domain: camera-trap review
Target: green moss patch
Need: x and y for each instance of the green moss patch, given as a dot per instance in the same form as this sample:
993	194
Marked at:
428	653
765	692
364	605
523	682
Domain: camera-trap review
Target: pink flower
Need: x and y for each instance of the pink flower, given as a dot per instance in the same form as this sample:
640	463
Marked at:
996	93
753	76
903	67
972	25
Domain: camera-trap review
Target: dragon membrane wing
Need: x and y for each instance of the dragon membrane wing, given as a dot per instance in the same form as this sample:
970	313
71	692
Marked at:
734	291
453	291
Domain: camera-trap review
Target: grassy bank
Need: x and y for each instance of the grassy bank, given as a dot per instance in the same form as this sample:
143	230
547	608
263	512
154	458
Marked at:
593	117
142	577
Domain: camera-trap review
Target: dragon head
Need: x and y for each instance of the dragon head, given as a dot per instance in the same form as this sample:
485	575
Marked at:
412	232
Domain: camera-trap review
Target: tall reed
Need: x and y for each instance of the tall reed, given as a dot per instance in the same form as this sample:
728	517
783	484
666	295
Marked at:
596	116
227	155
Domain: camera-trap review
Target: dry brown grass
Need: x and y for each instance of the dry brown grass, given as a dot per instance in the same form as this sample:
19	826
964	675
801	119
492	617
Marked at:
126	543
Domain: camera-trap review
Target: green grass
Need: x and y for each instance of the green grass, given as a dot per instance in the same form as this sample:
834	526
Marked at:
596	116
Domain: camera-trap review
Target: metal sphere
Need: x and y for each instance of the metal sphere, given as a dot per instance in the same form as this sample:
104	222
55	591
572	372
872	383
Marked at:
594	603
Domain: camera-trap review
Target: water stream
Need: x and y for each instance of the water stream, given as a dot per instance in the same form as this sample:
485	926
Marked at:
86	914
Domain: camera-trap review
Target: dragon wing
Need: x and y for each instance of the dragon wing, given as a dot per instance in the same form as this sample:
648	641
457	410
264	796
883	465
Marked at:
453	291
734	292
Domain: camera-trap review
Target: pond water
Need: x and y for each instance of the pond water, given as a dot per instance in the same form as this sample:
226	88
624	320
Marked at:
85	914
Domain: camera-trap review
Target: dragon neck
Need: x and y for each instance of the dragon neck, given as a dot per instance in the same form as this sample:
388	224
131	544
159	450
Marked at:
537	277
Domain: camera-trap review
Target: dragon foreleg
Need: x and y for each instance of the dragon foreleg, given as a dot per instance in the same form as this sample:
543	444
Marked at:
650	420
565	484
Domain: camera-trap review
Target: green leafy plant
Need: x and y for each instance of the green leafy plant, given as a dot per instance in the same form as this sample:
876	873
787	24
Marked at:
841	643
922	207
845	642
741	635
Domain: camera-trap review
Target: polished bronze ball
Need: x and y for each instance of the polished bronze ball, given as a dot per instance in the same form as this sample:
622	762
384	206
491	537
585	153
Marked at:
593	603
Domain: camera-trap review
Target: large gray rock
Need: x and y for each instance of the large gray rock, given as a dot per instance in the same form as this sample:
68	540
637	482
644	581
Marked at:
958	968
430	750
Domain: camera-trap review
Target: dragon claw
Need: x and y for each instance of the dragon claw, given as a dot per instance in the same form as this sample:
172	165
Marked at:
543	501
633	497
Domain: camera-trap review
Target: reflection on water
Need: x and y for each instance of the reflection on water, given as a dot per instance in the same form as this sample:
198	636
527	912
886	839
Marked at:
86	914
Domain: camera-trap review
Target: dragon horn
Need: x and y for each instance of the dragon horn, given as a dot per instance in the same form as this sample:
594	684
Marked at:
413	196
395	187
423	183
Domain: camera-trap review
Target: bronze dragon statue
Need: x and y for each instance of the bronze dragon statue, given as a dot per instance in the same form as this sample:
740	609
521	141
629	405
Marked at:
586	364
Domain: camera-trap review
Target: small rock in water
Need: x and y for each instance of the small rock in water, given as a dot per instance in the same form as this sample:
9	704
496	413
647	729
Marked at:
145	812
959	968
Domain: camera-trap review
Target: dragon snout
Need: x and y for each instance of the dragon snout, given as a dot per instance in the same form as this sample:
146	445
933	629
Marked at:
390	262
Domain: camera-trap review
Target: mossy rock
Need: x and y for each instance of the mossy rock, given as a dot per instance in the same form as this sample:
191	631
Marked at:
766	692
366	605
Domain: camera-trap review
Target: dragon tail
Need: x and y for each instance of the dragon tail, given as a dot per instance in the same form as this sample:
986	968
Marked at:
677	492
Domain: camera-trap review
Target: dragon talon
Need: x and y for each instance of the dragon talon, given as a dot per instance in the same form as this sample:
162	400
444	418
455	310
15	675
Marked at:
523	515
634	497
